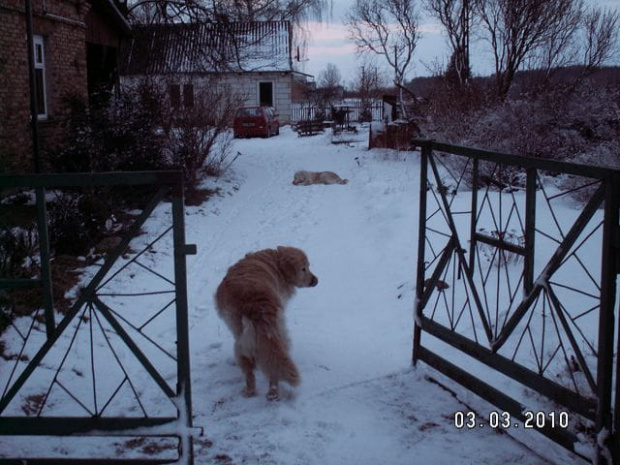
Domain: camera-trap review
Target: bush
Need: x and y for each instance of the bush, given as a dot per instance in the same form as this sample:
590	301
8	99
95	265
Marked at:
76	222
140	131
572	121
200	140
18	247
567	121
122	135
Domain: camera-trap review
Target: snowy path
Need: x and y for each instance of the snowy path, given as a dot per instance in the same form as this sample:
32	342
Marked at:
359	402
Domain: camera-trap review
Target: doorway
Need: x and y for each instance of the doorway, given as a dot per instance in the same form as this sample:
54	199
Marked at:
265	94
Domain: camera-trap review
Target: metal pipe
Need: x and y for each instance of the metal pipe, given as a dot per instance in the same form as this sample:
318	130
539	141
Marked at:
44	249
34	104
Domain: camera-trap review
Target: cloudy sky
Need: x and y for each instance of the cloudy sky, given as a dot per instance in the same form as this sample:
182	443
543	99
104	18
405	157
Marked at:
329	43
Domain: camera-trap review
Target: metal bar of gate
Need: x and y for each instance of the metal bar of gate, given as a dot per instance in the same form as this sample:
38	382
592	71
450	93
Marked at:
419	288
606	329
602	405
178	427
183	367
530	229
86	293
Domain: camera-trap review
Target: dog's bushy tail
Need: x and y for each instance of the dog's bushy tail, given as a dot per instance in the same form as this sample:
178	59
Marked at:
272	353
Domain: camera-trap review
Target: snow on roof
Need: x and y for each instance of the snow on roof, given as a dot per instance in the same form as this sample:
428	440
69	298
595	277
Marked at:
207	47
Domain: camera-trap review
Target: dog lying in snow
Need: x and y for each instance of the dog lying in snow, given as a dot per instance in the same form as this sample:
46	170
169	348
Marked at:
251	300
305	178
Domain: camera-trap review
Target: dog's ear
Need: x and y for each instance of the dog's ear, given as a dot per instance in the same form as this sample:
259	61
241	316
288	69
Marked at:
287	261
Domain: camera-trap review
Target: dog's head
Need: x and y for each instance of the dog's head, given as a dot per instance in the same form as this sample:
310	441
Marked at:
295	266
300	177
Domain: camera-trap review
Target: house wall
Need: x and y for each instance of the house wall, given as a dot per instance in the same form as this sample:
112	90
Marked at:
247	84
62	28
285	87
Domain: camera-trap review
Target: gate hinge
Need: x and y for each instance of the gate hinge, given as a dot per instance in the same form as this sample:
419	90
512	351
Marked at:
190	249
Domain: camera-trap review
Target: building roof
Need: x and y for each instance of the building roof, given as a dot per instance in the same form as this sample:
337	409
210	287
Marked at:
207	47
111	7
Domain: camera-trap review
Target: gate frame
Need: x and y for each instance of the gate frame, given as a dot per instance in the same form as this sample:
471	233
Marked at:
603	412
169	183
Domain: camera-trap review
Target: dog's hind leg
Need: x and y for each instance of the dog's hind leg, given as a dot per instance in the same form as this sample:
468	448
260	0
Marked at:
244	348
283	369
247	366
273	393
275	361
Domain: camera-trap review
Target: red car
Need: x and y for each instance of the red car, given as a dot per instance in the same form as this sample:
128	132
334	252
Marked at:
256	121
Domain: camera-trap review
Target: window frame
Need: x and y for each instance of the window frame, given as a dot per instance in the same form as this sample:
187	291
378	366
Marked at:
181	96
40	70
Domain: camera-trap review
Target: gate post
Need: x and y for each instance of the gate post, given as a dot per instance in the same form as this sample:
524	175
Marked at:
607	437
46	271
184	387
611	306
427	149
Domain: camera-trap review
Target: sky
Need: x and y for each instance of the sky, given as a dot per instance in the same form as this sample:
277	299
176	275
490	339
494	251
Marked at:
329	43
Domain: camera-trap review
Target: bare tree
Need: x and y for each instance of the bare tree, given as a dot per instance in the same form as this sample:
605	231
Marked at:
329	86
601	37
235	27
368	84
517	29
330	77
175	11
456	16
168	11
388	28
559	48
295	11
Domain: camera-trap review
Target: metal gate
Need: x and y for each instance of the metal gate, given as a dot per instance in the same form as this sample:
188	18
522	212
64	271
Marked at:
111	376
516	285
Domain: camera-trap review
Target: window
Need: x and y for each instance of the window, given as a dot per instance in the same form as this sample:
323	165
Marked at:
188	95
174	90
181	95
39	76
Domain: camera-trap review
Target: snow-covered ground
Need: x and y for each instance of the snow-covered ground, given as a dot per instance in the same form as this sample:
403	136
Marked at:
360	401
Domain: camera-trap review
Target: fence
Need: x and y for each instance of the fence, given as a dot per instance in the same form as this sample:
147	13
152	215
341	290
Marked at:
113	372
308	111
516	289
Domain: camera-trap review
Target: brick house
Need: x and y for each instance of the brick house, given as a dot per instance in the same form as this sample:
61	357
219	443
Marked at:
252	59
75	49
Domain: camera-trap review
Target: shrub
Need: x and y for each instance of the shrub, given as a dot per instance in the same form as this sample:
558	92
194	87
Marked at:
200	140
120	135
17	249
77	221
140	131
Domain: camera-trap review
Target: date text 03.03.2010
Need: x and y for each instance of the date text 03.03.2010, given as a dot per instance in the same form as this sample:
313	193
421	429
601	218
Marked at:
503	420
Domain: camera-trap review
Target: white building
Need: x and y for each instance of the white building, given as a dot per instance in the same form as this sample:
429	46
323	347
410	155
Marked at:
253	59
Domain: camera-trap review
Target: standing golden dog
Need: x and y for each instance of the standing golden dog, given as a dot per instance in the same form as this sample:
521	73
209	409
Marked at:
251	300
